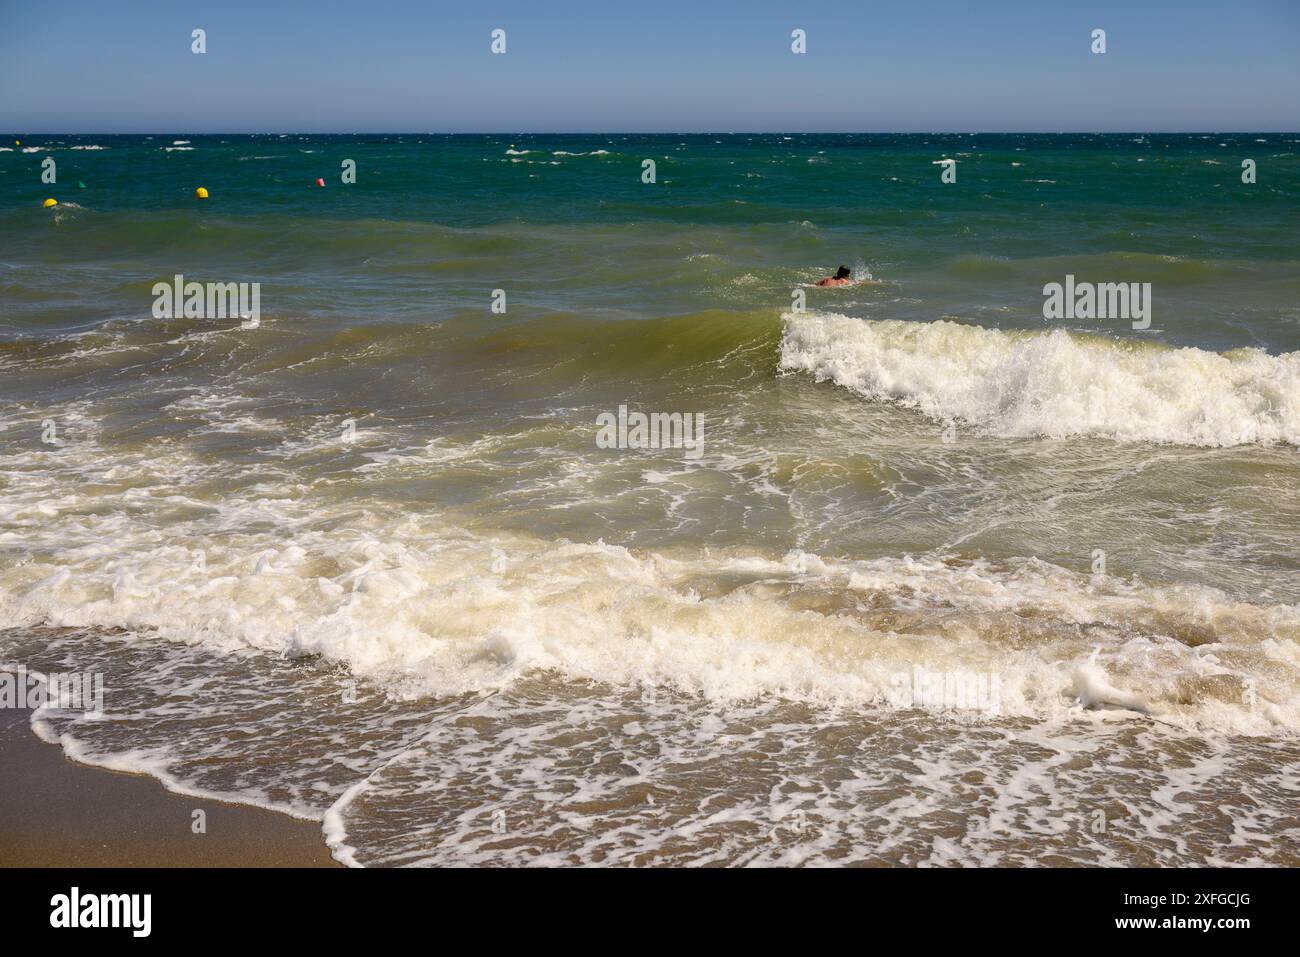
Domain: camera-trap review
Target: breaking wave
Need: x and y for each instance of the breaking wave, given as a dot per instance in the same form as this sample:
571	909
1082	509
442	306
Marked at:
1054	384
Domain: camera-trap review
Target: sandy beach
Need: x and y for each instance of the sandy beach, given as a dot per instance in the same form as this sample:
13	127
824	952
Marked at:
56	813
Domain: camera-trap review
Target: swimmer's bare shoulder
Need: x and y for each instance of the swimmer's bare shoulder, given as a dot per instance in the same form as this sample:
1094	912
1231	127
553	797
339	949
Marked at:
844	277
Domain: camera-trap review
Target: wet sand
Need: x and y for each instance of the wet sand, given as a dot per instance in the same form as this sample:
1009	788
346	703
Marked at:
56	813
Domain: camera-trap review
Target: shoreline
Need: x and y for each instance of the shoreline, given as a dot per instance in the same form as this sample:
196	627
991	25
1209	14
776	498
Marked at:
55	812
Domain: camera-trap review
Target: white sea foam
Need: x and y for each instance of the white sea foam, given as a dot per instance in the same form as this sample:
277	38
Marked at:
429	609
760	784
1055	383
581	773
233	619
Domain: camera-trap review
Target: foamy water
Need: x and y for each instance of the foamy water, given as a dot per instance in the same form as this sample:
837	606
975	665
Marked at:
1053	383
419	686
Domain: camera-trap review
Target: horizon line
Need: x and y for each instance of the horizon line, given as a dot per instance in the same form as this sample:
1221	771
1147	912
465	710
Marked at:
1008	132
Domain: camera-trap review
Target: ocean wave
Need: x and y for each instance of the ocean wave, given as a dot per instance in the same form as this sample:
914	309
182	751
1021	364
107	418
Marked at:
1054	384
370	662
630	776
421	607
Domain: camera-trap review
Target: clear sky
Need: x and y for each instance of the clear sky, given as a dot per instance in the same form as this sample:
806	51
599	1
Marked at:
659	65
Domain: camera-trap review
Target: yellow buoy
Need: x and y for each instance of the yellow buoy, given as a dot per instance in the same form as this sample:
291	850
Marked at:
50	202
201	192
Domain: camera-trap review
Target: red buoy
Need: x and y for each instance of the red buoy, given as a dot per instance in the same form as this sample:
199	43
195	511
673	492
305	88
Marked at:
320	182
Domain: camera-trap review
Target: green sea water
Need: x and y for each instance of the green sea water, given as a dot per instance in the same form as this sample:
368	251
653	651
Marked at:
567	223
368	562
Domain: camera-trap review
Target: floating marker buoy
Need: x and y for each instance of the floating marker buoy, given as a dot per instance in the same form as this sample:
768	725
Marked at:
50	202
320	182
201	193
80	185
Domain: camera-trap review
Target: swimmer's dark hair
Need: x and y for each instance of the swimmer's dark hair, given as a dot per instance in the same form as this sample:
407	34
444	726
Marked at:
843	272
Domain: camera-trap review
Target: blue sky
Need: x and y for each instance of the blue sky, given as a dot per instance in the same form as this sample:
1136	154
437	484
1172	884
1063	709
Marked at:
661	65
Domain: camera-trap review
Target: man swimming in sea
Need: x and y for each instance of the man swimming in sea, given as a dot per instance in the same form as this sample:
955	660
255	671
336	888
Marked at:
842	277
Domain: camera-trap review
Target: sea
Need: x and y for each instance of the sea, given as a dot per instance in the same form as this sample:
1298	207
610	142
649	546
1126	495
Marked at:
909	572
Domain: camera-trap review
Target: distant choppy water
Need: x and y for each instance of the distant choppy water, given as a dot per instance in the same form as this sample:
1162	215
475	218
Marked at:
459	631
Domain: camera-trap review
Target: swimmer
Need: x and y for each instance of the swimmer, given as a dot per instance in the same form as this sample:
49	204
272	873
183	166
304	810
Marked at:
842	277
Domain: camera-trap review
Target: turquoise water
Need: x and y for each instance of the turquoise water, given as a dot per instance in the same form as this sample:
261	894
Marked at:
383	518
431	220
